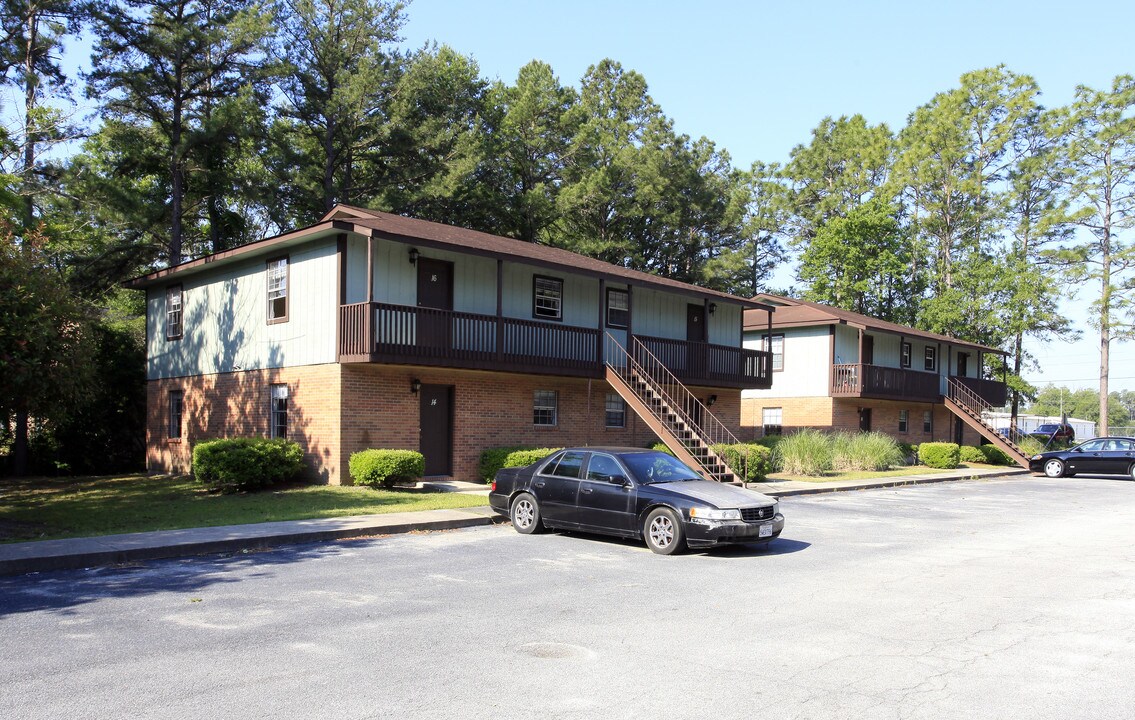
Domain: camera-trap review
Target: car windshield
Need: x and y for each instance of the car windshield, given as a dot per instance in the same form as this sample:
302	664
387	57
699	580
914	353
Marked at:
658	467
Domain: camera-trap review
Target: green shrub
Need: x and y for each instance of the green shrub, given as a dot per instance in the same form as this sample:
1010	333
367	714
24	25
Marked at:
234	464
909	452
805	452
853	452
970	454
661	447
750	461
769	441
385	467
939	454
494	459
995	455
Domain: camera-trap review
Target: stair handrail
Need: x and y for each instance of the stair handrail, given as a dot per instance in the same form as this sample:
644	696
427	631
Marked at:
973	403
669	388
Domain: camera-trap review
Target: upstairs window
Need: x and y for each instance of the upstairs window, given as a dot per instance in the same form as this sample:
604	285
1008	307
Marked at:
173	312
547	298
776	346
278	411
931	359
278	290
544	406
618	308
905	354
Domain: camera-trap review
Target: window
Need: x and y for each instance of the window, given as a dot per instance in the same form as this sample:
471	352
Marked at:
173	312
278	411
927	422
905	354
618	308
567	465
547	298
278	290
544	403
931	359
176	403
904	417
602	467
772	420
616	411
777	348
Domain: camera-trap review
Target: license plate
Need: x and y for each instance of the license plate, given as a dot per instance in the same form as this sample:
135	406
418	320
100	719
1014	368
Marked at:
765	530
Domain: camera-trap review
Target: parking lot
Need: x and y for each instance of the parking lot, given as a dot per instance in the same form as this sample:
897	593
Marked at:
1009	598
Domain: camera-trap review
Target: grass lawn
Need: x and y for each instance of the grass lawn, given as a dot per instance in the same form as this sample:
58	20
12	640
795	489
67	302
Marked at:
866	475
47	508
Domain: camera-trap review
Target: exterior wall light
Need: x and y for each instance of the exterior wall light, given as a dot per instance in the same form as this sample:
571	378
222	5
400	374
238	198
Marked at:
712	308
414	256
415	386
710	400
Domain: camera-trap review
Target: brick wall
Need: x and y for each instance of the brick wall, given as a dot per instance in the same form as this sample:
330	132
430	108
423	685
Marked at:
237	405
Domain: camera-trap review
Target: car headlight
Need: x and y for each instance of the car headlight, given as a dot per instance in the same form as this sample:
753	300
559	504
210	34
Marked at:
1035	457
714	514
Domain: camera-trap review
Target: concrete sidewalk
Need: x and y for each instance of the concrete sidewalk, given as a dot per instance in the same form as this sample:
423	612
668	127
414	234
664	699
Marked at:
47	555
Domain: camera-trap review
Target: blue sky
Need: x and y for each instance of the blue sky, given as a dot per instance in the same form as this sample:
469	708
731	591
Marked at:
757	77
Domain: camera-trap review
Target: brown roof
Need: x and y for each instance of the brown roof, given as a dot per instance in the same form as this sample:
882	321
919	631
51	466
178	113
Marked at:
791	312
423	233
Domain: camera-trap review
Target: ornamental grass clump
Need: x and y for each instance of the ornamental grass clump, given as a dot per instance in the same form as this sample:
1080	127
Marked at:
805	452
869	451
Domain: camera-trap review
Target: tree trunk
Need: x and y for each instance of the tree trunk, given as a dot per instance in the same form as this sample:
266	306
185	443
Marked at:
20	443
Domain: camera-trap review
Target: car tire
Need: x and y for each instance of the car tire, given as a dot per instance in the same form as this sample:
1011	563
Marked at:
525	515
663	532
1054	468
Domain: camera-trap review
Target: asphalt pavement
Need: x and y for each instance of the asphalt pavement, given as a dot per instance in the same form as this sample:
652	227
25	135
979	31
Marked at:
71	553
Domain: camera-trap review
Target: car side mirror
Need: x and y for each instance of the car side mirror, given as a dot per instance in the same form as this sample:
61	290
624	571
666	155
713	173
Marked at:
616	479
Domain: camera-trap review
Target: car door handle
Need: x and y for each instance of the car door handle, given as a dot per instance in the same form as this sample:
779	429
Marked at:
539	483
586	490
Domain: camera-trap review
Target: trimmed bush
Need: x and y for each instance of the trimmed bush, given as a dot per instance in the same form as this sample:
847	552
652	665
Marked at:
995	455
873	451
939	454
805	452
386	467
234	464
750	461
494	459
661	447
970	454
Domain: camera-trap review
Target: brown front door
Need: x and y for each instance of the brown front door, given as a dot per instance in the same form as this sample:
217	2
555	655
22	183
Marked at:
963	364
695	333
435	298
868	349
435	440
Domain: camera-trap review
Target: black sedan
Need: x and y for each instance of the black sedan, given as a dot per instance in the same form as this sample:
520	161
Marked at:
1105	456
634	493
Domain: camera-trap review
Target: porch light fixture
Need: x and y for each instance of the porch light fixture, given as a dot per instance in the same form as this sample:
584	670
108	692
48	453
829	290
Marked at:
712	308
414	256
415	386
710	400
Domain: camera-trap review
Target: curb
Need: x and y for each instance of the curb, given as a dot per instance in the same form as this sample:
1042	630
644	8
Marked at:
883	484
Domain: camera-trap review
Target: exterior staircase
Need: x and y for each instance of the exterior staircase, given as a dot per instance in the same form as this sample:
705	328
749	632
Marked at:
966	404
677	417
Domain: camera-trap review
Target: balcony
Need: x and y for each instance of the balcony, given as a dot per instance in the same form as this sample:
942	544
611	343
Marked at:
888	383
407	335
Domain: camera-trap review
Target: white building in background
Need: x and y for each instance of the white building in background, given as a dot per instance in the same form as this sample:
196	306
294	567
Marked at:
1084	429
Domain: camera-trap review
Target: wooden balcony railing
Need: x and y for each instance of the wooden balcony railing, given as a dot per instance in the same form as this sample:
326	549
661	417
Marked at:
403	334
874	381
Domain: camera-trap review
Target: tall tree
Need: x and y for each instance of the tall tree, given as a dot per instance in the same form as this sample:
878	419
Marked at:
341	69
1098	154
168	64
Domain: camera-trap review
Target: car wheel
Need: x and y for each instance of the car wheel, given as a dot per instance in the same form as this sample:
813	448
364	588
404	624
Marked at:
663	532
1053	468
525	514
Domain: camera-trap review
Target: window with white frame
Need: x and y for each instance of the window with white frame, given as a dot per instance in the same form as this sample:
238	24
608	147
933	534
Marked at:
544	406
904	417
278	411
173	422
173	312
278	290
616	411
776	346
772	420
547	298
618	308
927	421
931	359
